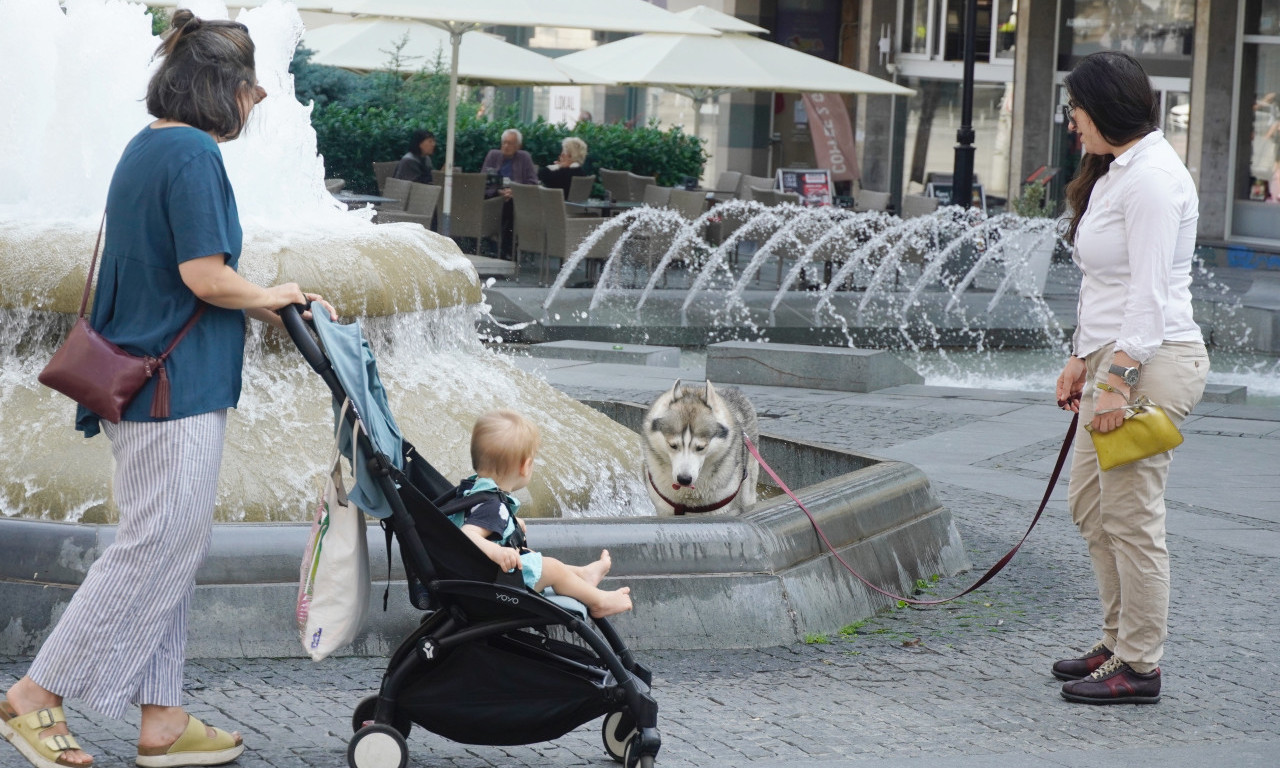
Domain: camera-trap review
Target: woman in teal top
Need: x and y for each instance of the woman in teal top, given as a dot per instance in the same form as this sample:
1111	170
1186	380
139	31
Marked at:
172	242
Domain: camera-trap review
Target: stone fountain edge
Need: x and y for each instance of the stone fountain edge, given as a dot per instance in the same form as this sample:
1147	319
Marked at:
759	580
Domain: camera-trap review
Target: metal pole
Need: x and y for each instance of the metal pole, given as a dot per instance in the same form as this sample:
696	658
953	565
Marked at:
455	40
962	179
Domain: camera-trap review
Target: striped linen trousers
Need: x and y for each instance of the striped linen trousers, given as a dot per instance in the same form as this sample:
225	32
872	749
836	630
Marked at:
122	638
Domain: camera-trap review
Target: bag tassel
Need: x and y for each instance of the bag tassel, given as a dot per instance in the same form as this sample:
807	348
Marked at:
160	400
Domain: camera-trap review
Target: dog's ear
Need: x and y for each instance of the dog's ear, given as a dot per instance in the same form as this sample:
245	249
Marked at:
710	394
675	391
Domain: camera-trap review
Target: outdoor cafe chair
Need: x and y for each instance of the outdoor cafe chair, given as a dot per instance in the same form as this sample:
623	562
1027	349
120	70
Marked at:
616	184
529	231
727	185
748	184
869	200
689	203
472	215
580	188
420	207
382	172
637	184
398	189
655	196
564	233
918	205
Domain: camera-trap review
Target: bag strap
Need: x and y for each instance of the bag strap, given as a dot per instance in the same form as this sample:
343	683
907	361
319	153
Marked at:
93	265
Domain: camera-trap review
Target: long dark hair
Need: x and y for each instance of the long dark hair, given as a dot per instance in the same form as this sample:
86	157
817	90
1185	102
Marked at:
415	141
1115	92
207	68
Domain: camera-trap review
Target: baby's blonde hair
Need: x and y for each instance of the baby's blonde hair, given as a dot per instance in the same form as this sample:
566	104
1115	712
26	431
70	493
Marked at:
501	441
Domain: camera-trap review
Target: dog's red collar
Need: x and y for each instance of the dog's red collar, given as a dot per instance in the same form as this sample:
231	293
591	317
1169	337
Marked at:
681	509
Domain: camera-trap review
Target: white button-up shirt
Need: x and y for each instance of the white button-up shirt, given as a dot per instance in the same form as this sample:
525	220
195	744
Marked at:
1134	247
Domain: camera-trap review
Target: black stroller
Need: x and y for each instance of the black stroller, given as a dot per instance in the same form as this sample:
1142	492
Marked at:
482	654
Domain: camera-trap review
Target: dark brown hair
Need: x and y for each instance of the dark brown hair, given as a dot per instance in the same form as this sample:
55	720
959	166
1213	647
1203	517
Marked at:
1115	92
207	68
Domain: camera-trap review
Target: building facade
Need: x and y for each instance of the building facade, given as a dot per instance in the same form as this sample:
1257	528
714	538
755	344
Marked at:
1214	63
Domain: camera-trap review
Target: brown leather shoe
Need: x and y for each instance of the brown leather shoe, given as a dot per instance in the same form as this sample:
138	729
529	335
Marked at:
1074	669
1115	682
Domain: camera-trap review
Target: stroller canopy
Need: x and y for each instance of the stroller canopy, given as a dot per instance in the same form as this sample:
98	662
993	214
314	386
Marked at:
352	359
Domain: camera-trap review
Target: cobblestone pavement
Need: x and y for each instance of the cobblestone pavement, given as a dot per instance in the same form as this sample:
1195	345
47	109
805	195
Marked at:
967	679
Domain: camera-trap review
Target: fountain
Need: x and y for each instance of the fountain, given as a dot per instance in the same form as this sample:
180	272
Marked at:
418	296
80	77
955	278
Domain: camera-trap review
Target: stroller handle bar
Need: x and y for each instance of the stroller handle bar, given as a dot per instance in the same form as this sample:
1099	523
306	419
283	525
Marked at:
303	338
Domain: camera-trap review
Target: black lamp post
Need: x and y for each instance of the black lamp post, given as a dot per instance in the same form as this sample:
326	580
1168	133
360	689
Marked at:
962	178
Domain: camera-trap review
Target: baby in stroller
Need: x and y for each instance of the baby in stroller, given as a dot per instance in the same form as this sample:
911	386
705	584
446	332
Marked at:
503	446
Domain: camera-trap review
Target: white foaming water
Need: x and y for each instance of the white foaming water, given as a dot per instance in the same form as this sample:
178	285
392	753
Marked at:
944	279
81	78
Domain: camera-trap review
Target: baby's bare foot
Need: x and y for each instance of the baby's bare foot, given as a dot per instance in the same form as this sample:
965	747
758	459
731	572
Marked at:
609	603
594	572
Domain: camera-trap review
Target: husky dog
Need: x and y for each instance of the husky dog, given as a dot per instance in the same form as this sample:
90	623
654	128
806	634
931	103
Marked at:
695	459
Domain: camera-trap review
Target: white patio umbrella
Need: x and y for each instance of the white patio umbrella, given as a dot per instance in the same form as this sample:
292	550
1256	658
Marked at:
460	16
705	68
367	43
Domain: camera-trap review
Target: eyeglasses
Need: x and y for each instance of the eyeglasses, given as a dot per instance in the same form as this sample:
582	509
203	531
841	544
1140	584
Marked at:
1068	113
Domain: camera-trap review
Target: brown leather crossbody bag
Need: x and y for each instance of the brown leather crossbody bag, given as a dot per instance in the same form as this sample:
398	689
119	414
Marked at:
101	376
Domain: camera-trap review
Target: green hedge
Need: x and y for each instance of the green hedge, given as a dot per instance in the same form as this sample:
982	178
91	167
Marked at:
362	119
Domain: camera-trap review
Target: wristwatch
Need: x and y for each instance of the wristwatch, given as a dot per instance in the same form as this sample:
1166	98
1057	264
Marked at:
1130	375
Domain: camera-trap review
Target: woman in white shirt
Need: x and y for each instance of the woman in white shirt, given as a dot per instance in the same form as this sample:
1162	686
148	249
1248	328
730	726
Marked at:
1134	212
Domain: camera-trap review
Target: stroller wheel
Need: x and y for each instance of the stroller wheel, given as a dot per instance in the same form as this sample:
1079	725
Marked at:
636	761
377	746
617	730
364	716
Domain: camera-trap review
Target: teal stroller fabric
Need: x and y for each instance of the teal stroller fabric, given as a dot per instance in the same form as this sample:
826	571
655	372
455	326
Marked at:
353	362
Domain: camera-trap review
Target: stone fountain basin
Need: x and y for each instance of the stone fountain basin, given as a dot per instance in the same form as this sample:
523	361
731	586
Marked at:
711	581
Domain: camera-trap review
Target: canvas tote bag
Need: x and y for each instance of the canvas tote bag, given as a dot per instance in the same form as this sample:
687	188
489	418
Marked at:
333	591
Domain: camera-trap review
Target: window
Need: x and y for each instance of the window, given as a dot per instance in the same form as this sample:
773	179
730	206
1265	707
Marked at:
932	119
935	29
1160	35
1256	185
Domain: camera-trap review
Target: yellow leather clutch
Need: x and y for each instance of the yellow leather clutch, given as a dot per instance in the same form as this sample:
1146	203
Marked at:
1147	430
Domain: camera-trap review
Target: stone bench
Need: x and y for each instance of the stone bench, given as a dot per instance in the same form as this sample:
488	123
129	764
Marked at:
606	352
1225	393
800	365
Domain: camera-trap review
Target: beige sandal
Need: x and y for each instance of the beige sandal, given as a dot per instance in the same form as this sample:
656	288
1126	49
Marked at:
23	731
193	747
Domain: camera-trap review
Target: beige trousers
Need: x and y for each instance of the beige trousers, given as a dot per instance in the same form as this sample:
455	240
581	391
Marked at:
1121	512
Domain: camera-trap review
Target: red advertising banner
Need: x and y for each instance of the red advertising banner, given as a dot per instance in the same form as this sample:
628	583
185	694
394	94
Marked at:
832	135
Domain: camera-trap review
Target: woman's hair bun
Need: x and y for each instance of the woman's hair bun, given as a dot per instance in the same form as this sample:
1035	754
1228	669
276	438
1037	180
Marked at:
183	19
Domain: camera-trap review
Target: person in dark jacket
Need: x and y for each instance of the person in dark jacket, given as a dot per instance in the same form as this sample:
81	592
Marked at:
416	163
559	175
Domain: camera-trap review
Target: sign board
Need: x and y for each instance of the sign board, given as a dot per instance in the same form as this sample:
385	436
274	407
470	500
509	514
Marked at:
812	184
566	104
942	191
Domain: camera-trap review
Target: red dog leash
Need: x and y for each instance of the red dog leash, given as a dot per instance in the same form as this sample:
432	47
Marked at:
1000	564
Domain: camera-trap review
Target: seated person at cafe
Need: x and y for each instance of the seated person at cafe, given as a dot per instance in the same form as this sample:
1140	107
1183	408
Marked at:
416	163
510	162
514	164
558	175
